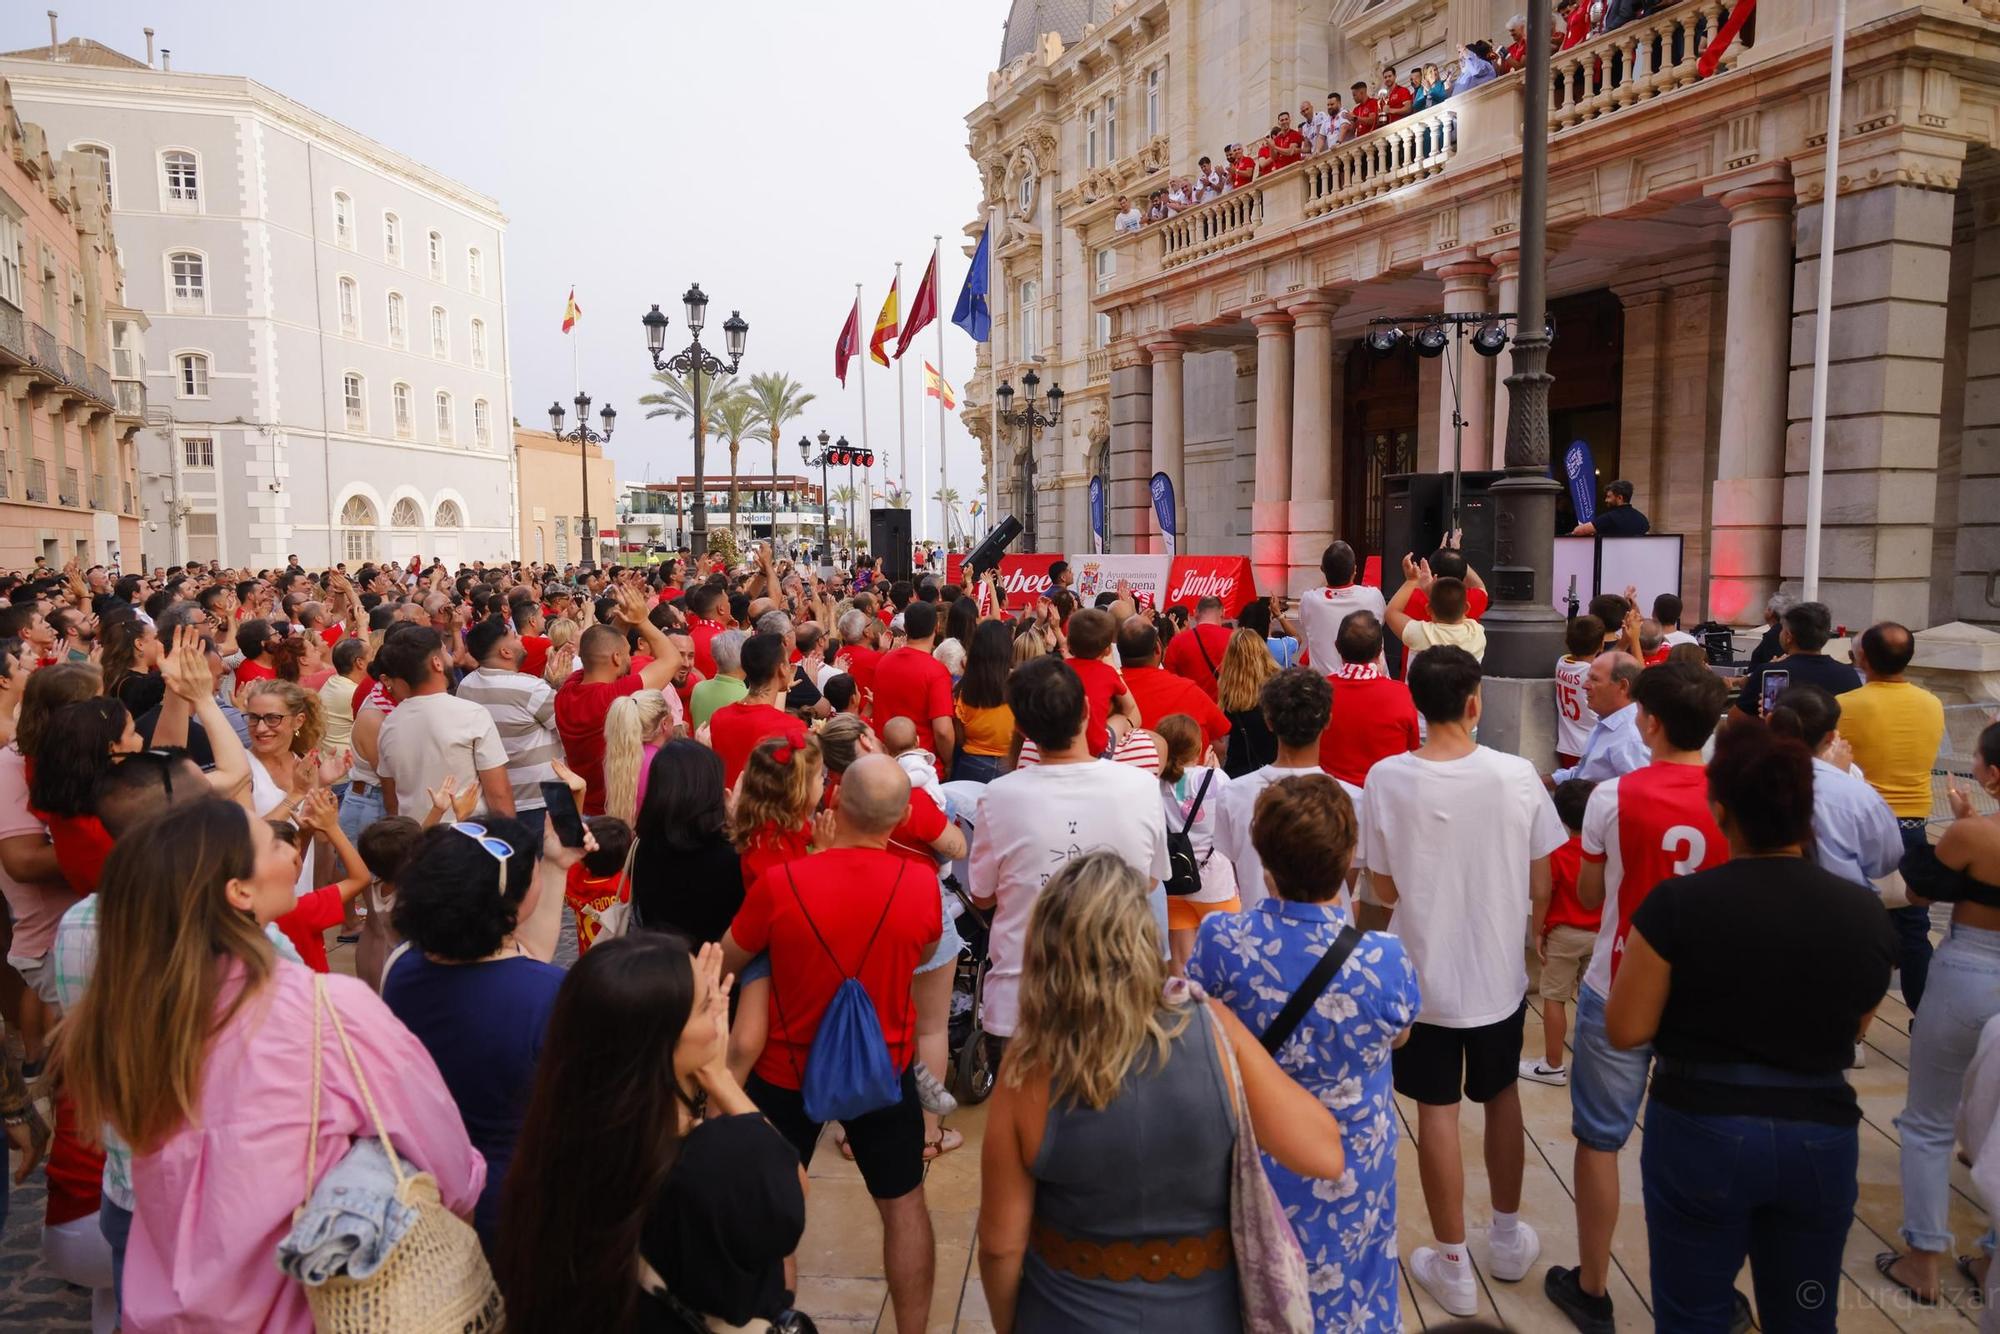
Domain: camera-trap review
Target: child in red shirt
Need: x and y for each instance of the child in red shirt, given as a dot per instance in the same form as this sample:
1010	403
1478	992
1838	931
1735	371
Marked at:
314	913
1091	632
601	880
1569	933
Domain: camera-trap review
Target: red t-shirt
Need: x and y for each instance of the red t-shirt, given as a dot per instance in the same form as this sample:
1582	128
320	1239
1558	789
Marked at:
534	654
774	847
75	1170
735	729
1399	101
305	925
250	670
1159	692
1185	655
1288	145
861	664
910	683
1576	30
581	707
703	632
1100	686
1516	56
1565	909
1367	115
333	634
1371	719
923	821
1242	171
81	846
810	913
1418	608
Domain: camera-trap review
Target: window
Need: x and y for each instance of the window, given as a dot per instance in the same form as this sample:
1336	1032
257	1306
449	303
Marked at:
437	256
127	363
193	368
1031	319
1110	129
392	238
475	270
1090	120
353	395
182	179
350	307
10	258
1101	330
479	345
357	517
440	333
1105	264
406	514
103	156
447	432
187	282
399	322
406	410
482	421
197	451
343	219
1155	97
448	515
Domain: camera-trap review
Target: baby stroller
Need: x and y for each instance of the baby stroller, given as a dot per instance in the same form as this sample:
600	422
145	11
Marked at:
975	1057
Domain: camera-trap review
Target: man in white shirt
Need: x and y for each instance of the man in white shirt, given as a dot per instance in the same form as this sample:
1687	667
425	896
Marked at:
1667	611
1295	704
1317	126
1210	182
1457	840
1035	820
1321	610
432	735
1614	746
1129	218
523	709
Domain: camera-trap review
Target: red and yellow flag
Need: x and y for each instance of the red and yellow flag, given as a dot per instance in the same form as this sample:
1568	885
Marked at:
936	386
572	312
886	325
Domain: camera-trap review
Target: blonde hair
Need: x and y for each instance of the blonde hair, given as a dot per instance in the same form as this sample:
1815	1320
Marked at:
1091	977
1246	665
297	700
1029	645
777	796
840	740
631	719
562	632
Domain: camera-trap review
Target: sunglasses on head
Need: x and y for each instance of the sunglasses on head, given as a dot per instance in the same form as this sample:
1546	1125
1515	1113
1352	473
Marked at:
499	847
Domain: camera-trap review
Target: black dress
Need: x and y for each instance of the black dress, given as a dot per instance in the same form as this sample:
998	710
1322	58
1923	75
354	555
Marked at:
1252	745
732	1209
694	891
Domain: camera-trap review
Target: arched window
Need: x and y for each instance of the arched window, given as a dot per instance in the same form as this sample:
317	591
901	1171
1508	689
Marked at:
448	515
181	179
193	377
482	421
353	394
343	218
447	430
479	345
350	307
357	520
440	333
399	321
405	403
475	270
187	281
437	256
102	155
406	514
392	238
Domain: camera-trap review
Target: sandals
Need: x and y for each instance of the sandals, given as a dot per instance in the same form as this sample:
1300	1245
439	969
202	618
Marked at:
946	1141
1965	1266
1886	1262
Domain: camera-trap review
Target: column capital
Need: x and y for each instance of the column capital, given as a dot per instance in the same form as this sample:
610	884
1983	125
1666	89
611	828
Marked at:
1768	180
1460	264
1166	349
1271	322
1647	292
1316	307
1766	201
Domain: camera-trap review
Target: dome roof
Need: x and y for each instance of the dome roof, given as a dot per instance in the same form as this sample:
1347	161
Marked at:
1027	20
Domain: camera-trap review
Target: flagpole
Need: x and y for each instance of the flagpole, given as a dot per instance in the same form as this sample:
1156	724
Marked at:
993	374
902	435
853	539
923	469
944	450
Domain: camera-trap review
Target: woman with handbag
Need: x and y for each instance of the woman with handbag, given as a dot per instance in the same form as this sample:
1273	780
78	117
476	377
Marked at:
625	1209
1189	792
1112	1078
197	1045
1329	1002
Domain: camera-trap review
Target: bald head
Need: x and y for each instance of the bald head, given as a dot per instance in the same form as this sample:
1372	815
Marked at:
1886	650
874	794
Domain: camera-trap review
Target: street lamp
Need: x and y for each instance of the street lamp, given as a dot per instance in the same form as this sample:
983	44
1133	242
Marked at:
584	438
834	455
695	361
1030	419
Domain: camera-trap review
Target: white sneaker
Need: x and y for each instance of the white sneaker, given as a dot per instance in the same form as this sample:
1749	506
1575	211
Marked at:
1543	1073
1860	1056
1452	1284
1512	1259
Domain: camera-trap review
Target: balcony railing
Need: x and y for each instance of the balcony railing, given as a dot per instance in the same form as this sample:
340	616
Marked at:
6	489
75	369
1098	364
72	488
129	508
1636	62
1381	160
13	332
38	481
100	385
131	397
100	492
1216	225
47	351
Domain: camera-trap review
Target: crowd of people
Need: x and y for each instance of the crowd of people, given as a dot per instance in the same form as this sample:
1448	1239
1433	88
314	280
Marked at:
649	874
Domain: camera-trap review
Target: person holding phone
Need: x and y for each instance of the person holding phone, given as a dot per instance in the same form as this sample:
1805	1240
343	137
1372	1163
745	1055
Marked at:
1803	630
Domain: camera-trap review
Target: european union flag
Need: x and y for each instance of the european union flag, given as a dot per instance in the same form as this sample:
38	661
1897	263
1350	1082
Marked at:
972	314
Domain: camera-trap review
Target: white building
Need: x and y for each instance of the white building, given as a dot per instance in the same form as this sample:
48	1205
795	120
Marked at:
327	358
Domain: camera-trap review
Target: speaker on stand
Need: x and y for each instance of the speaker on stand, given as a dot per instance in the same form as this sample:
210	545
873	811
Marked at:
889	538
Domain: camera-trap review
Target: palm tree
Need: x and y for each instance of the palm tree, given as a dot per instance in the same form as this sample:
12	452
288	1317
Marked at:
779	399
845	496
735	418
675	400
948	498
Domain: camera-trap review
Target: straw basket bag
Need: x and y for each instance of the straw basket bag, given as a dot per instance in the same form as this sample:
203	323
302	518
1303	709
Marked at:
436	1280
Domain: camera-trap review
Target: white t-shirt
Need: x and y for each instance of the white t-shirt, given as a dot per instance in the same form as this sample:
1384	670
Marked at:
1218	874
1573	716
429	736
1321	610
1458	836
1232	829
1128	221
1034	821
1677	637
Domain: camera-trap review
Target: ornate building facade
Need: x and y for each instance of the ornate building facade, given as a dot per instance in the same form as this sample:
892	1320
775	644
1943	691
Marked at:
1223	346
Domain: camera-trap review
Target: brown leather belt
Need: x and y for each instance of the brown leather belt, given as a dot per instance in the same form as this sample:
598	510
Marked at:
1154	1259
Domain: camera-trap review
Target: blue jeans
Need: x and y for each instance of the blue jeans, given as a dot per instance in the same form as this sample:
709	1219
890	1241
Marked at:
970	768
358	810
1913	931
1720	1188
115	1222
1606	1085
1967	972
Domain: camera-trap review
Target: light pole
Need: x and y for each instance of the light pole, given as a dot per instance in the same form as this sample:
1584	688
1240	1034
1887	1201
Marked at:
832	455
695	361
584	438
1030	419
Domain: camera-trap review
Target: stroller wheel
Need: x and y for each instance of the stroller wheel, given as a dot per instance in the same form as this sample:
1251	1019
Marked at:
974	1071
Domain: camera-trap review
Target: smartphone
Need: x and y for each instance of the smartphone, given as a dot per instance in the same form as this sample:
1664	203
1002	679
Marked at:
564	818
1775	681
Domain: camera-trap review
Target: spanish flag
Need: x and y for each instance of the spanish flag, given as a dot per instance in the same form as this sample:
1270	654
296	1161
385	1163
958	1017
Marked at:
572	312
885	325
935	386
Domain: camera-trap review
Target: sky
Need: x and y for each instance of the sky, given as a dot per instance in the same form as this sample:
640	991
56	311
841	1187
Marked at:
775	151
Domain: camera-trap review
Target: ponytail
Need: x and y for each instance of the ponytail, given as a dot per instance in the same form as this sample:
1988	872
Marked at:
631	719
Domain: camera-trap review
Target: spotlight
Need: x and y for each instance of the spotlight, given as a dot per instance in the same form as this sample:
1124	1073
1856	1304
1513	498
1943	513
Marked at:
1385	339
1431	339
1489	339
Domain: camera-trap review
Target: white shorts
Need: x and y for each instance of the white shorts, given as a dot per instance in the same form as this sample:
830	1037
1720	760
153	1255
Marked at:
39	973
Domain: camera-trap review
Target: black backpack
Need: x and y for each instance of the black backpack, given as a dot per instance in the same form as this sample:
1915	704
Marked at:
1183	871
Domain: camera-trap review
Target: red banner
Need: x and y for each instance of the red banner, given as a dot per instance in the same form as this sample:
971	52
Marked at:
1227	577
1025	578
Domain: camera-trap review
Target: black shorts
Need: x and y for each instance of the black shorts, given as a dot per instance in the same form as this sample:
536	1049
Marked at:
888	1142
1438	1066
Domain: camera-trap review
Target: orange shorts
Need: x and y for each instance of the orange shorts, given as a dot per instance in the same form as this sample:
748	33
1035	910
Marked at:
1184	914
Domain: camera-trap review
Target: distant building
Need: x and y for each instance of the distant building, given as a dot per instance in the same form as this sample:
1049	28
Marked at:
327	358
552	506
661	511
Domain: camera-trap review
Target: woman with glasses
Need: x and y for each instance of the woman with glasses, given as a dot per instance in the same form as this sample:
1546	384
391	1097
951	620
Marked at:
466	983
285	731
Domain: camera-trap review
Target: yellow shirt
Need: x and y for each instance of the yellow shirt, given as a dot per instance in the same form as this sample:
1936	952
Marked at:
1895	728
1467	634
987	731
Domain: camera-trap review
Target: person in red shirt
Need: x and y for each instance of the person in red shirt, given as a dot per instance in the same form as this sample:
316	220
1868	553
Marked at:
257	640
1160	693
910	683
1267	153
854	911
307	923
1398	97
1242	167
735	729
1576	24
1196	653
529	624
1447	563
1569	933
1367	111
854	656
1372	716
704	602
583	701
1091	632
1287	144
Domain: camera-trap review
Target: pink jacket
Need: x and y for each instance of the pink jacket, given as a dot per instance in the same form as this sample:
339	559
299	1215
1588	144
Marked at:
213	1202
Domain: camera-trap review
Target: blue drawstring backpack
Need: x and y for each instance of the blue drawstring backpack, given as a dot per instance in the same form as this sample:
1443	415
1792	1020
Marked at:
849	1071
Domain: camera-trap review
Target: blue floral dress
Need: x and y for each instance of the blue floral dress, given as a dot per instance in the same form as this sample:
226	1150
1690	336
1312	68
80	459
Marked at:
1252	962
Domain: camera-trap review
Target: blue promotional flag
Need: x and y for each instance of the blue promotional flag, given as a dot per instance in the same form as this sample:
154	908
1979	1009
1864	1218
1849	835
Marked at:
972	314
1162	487
1097	515
1580	473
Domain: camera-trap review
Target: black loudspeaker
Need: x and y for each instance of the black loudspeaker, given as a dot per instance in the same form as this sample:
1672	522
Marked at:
993	546
1416	515
889	538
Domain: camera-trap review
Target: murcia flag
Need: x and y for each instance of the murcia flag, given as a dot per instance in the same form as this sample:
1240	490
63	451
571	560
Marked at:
572	312
848	344
922	310
885	325
936	386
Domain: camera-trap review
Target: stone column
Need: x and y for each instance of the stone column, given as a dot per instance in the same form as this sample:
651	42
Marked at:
1169	440
1977	563
1750	468
1315	418
1465	291
1131	451
1243	463
1269	509
1506	296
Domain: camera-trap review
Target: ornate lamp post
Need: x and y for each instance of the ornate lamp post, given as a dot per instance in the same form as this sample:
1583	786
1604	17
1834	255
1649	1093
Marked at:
834	455
1030	419
695	361
584	438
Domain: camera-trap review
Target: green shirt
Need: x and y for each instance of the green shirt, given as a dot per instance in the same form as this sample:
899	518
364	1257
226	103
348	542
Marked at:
709	696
